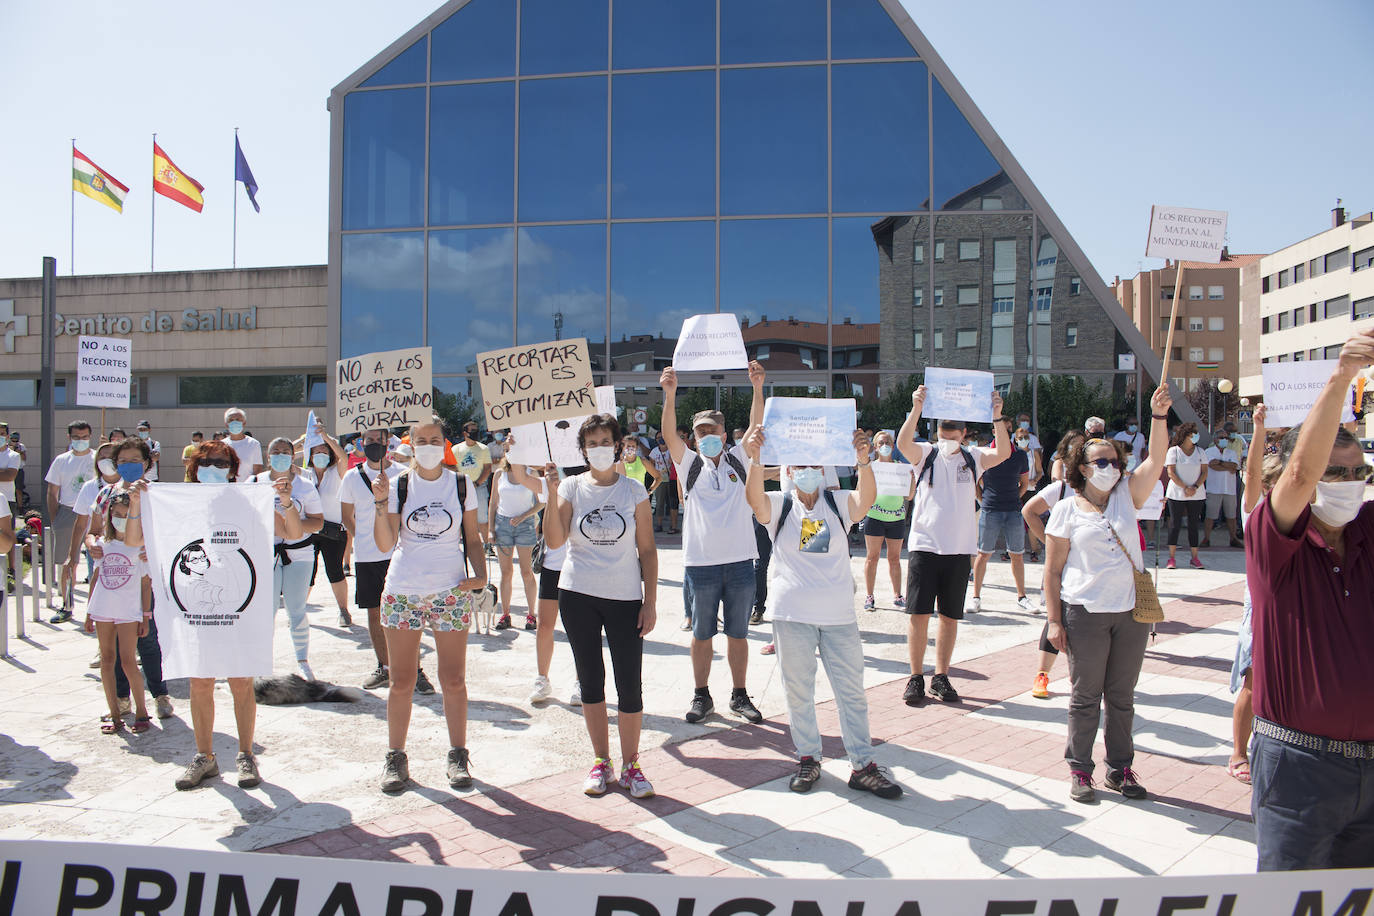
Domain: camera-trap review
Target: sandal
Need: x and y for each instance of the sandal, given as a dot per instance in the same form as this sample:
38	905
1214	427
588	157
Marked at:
142	724
1239	770
112	728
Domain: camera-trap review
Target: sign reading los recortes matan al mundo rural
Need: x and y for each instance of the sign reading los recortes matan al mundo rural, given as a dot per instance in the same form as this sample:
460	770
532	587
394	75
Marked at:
104	366
1184	234
537	382
378	390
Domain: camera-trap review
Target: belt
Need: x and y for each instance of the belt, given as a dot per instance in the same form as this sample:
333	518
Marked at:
1358	750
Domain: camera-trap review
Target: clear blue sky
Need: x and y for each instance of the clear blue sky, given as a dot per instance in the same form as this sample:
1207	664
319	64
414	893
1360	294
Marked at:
1256	108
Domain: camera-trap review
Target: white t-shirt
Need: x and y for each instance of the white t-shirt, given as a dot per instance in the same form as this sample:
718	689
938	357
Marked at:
358	494
249	451
1219	483
717	524
1138	442
661	459
1189	469
118	593
429	550
154	447
70	472
306	499
86	499
603	556
329	484
9	461
553	559
832	479
512	498
1052	493
1096	574
809	577
943	519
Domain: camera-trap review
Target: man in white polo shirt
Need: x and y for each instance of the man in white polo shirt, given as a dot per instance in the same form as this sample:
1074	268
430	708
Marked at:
65	478
145	432
944	535
1222	465
248	449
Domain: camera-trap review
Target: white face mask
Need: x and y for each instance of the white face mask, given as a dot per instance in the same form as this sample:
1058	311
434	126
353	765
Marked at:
118	523
1338	501
429	456
948	447
601	457
106	467
884	450
1104	478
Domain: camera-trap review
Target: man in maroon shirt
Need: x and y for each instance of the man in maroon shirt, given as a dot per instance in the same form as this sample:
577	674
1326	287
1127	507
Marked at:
1310	563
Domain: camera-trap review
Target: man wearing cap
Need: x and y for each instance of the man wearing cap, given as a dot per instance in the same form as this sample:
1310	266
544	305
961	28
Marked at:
718	546
145	432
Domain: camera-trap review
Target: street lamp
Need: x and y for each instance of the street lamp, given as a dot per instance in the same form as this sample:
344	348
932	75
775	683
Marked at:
1224	386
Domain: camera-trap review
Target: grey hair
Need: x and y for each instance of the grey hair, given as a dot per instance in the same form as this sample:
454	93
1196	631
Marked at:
1093	422
1290	441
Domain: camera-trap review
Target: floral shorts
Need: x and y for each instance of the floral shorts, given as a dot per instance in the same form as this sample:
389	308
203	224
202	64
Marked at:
448	610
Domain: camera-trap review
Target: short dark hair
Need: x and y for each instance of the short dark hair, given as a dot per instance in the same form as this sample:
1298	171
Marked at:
116	429
78	424
135	442
595	422
209	451
1078	457
197	433
1181	432
953	424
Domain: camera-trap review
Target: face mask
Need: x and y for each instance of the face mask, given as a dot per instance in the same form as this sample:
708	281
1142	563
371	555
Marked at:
601	457
808	480
1131	462
1023	444
119	523
1024	424
885	450
320	461
710	446
144	435
948	447
1132	429
1338	501
470	434
374	451
130	470
235	427
499	437
279	463
1104	478
106	467
1194	437
80	445
429	456
1221	442
208	473
630	454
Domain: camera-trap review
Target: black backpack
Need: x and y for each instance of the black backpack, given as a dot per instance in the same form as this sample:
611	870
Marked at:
403	489
698	463
928	470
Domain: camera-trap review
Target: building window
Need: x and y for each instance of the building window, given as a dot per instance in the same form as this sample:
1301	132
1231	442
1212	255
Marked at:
762	352
1264	325
1285	321
316	389
966	337
1264	285
1216	323
918	252
1043	297
1070	335
1364	308
1215	354
1166	293
918	341
939	249
1195	292
968	295
1299	357
807	358
18	392
1075	286
918	297
1001	354
1194	384
1337	260
1164	325
1337	308
1285	358
1363	259
1314	268
1298	272
1195	323
939	340
970	249
1216	292
1332	352
939	296
1194	354
1285	279
1300	316
992	203
1003	298
241	389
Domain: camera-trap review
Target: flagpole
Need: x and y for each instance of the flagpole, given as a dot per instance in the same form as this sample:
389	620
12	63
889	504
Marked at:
152	191
234	257
73	192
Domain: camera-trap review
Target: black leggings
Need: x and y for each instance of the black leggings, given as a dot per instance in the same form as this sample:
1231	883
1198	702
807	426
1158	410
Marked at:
1045	644
1193	509
332	552
584	617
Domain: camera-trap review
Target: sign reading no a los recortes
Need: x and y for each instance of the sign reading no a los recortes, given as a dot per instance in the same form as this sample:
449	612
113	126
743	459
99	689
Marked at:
103	368
1186	235
536	383
382	390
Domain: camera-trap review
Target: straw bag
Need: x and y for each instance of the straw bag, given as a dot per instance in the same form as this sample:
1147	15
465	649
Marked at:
1147	607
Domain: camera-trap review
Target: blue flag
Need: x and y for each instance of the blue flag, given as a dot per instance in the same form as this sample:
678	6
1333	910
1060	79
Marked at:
244	174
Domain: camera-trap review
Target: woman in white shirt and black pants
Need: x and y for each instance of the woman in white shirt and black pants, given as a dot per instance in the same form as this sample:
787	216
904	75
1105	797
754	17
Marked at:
1186	492
1093	553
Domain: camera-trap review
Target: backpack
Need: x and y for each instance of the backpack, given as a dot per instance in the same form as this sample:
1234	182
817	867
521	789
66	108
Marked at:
928	468
698	463
403	488
829	501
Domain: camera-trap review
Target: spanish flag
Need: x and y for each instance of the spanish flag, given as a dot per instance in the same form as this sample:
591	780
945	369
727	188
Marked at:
170	181
96	183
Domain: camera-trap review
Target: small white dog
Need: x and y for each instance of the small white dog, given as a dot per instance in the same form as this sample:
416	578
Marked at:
486	606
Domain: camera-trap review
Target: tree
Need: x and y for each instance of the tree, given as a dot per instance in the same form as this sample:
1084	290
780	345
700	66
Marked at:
1211	406
455	410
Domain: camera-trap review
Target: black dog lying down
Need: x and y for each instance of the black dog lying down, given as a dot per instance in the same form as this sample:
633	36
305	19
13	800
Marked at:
287	689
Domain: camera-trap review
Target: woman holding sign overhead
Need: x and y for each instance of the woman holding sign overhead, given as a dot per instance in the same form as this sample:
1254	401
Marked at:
885	523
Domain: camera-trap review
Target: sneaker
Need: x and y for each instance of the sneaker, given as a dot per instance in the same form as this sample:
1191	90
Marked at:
378	679
974	605
542	690
63	616
503	623
422	685
632	780
247	766
1149	545
808	774
1081	787
306	671
702	706
768	648
869	605
742	706
575	698
942	688
915	693
530	622
345	619
599	776
686	624
395	772
1026	604
872	779
201	767
899	603
756	617
95	662
458	775
1041	688
164	706
1125	782
1195	563
1171	564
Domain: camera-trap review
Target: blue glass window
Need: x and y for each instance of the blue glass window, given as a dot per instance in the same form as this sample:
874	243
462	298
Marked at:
471	295
471	151
856	259
563	149
384	159
664	33
965	172
380	296
761	31
406	67
563	36
563	286
879	130
661	273
862	28
663	144
477	42
772	141
773	276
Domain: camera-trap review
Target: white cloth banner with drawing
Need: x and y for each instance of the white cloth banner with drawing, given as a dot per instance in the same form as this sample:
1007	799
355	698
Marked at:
210	556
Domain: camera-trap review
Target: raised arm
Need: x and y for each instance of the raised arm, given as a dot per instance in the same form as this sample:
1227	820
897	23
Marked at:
386	525
907	434
1254	463
1001	440
1147	471
756	378
676	447
861	500
753	483
558	517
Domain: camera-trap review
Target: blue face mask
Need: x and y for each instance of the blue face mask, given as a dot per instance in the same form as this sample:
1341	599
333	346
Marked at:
1132	429
235	427
208	473
710	446
1024	424
280	463
144	435
499	437
320	460
130	470
1194	437
808	480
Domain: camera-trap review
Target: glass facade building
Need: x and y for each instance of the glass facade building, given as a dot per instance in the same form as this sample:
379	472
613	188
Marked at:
515	171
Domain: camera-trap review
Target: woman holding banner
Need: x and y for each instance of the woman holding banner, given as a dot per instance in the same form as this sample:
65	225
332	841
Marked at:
885	525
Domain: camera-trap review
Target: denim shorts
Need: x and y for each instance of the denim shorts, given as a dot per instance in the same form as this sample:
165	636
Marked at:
729	586
1008	524
525	534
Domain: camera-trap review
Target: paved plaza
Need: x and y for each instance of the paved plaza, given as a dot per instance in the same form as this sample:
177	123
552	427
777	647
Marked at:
985	781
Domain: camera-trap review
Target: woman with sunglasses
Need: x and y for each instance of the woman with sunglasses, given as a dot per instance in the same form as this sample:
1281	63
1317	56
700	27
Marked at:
1093	542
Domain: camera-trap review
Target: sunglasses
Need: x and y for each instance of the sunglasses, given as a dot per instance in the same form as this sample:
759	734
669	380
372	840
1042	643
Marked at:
1102	463
1335	472
215	463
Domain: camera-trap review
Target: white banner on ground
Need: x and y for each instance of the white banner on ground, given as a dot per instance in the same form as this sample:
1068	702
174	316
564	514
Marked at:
958	394
382	390
104	366
1291	390
105	878
709	342
210	556
1183	234
808	431
893	478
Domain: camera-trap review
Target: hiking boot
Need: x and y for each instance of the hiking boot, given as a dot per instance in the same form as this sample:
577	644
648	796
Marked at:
247	766
164	706
869	603
458	775
599	776
632	780
702	706
742	706
1081	787
201	767
1125	782
422	685
345	618
503	623
872	779
378	679
530	622
899	603
757	616
1041	688
942	688
807	775
396	771
542	690
915	692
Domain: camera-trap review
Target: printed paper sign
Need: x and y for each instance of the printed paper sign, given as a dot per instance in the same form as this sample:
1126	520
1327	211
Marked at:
605	400
210	558
535	383
958	394
807	431
1154	506
710	342
1186	235
892	477
104	366
382	390
312	438
1291	390
556	440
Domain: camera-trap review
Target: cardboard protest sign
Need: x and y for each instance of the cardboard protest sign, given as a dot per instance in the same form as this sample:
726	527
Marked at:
104	367
709	342
537	382
1291	390
380	390
809	431
1183	234
958	394
892	477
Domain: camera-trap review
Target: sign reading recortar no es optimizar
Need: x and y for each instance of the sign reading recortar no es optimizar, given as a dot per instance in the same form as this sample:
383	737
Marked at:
536	382
380	390
103	369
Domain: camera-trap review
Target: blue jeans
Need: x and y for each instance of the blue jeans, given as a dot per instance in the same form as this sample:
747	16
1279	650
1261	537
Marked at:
1009	525
843	656
1312	809
292	584
727	586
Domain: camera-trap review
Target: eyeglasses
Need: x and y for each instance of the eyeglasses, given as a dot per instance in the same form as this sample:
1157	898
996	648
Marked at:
1335	472
215	463
1106	463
